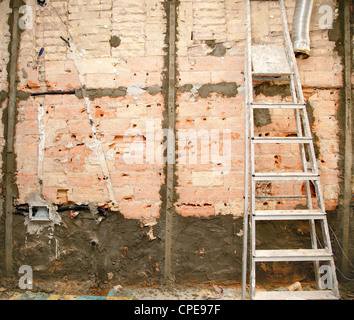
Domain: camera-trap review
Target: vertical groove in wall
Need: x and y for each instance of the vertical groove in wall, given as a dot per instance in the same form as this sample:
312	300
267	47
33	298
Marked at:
168	191
10	121
348	151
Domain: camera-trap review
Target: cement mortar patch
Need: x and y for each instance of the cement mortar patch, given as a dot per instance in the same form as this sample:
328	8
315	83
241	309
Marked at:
225	89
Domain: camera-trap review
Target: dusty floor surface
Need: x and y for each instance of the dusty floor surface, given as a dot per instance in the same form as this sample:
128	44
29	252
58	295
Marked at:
194	292
71	291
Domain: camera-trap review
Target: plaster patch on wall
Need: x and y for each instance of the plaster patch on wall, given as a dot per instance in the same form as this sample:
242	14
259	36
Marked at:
136	91
41	143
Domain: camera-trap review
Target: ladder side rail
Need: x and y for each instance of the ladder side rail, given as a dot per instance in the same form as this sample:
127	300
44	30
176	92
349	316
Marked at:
328	246
246	185
249	88
253	252
252	211
308	133
335	288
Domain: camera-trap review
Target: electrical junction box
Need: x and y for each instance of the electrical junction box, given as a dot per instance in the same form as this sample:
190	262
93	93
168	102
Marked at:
39	213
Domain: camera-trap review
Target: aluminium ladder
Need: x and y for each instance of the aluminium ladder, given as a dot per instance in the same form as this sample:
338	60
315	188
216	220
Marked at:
277	63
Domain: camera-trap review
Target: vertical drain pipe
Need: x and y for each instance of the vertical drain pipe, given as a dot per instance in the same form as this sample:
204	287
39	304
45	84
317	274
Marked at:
301	28
10	160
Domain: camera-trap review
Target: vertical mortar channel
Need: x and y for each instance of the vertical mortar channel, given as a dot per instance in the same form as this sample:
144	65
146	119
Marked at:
168	189
348	151
343	222
9	120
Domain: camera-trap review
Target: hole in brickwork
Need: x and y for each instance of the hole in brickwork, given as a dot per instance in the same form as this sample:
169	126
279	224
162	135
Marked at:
62	195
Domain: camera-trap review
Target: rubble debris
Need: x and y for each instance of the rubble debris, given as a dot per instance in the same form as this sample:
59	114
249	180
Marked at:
296	286
219	292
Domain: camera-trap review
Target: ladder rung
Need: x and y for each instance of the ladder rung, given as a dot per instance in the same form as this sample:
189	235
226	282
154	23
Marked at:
270	79
288	214
278	105
296	295
281	139
292	255
271	74
261	176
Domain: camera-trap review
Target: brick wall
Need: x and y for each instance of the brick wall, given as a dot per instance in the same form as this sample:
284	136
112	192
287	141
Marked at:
112	45
120	45
211	52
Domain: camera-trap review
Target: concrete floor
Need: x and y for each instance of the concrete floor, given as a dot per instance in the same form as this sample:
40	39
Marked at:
196	292
178	292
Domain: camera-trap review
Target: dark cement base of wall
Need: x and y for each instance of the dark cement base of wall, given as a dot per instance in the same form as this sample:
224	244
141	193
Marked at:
205	250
